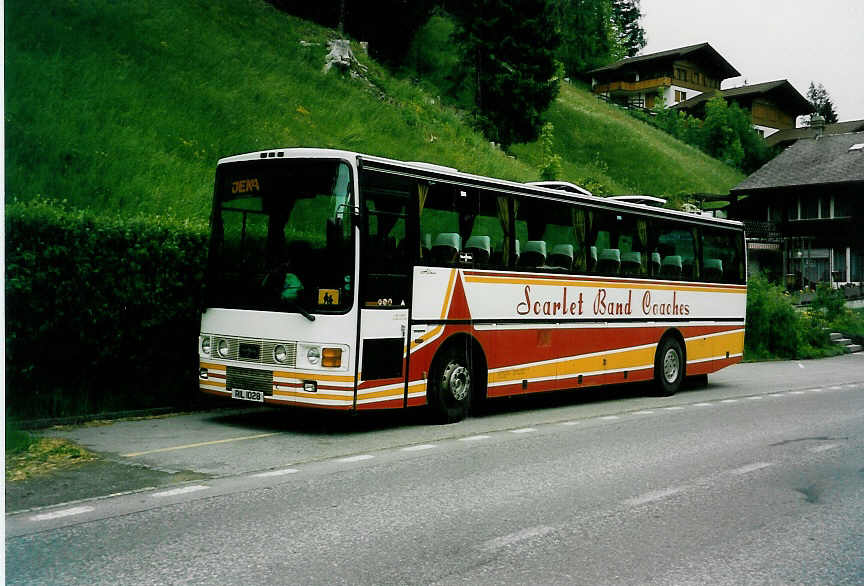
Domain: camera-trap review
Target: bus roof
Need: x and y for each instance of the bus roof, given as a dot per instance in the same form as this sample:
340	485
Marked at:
439	172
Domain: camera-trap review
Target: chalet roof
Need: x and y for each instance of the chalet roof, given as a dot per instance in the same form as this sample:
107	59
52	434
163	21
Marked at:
702	51
810	162
781	91
790	135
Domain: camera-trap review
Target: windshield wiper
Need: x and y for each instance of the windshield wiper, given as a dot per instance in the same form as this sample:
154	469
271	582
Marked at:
301	311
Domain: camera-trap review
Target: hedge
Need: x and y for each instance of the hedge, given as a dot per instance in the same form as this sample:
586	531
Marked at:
102	314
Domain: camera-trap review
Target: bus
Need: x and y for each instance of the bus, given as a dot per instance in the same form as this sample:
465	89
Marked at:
345	281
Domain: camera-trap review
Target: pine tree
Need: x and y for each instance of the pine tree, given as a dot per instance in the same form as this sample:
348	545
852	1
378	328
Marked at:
821	102
630	34
588	37
511	47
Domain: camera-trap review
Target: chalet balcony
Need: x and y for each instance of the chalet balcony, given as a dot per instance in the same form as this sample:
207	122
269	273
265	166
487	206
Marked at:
633	86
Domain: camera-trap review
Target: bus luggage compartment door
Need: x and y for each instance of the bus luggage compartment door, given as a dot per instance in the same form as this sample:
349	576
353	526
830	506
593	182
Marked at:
383	338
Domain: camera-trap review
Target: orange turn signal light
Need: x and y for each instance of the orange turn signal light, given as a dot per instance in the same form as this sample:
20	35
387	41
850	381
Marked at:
331	357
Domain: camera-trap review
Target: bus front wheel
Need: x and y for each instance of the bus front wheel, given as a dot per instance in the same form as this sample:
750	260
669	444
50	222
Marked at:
451	387
669	366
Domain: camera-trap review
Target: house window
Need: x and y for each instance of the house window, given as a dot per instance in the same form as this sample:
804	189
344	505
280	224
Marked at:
842	207
680	96
681	74
809	207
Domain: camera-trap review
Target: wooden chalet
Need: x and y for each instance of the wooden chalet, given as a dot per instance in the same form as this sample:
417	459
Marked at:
679	74
773	105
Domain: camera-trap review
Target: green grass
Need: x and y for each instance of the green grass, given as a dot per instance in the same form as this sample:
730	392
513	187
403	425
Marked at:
125	107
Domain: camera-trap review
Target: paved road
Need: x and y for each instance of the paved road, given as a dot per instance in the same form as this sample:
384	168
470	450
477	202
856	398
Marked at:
757	479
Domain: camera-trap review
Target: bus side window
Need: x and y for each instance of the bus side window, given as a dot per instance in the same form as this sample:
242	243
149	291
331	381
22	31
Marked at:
721	260
676	248
550	236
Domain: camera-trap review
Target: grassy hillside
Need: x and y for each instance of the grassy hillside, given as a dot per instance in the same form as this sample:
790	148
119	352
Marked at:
126	106
604	144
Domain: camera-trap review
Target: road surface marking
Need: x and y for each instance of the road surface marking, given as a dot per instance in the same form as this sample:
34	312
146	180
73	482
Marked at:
62	513
824	448
835	388
569	423
756	398
609	418
179	491
703	405
776	395
800	365
506	540
654	495
819	390
474	438
644	412
357	458
750	468
200	444
796	392
270	473
523	430
673	408
729	401
419	448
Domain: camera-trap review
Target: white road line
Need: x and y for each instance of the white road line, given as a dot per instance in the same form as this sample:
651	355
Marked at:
644	412
776	395
824	448
506	540
653	496
357	458
271	473
750	468
796	392
609	418
729	401
179	491
852	386
419	448
835	388
703	405
474	438
523	430
800	365
673	408
61	513
756	398
569	423
819	390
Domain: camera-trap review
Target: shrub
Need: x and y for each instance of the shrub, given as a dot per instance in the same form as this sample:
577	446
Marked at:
775	329
101	314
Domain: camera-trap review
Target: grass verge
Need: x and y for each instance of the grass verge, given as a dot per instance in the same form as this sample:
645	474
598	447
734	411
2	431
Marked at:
29	455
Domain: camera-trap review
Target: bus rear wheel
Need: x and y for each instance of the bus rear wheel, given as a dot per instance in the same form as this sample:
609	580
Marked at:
452	387
669	366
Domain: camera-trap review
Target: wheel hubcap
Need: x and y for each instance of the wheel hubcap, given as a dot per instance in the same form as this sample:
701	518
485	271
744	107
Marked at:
457	379
671	365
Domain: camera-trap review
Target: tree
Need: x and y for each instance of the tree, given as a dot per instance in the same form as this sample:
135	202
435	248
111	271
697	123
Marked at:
511	48
821	101
588	36
629	32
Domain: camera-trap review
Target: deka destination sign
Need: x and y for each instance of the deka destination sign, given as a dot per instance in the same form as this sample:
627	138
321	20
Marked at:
600	302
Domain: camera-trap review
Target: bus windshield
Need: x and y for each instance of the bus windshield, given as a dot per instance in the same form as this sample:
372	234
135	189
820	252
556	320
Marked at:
282	237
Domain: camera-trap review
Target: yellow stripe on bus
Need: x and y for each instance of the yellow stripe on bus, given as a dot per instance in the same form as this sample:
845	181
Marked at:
448	294
608	284
314	376
347	399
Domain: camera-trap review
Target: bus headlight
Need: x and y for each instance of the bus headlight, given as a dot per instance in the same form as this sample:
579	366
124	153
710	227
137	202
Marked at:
205	345
313	355
280	354
223	348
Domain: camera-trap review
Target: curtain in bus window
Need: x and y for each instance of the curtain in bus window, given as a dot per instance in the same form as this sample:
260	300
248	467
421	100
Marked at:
697	262
579	231
422	194
642	234
504	219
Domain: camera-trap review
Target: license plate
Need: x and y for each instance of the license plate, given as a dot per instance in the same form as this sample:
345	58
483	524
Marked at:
247	395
